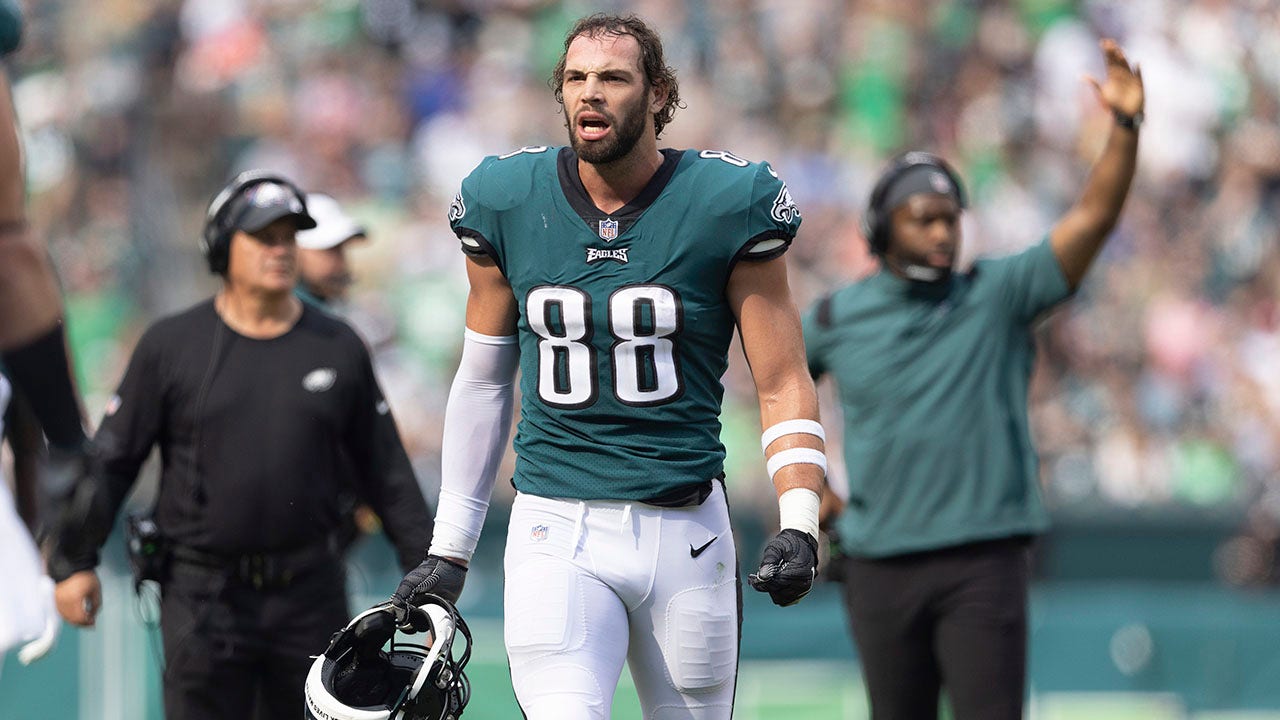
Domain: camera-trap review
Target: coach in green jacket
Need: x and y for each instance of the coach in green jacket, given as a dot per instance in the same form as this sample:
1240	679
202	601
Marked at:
932	368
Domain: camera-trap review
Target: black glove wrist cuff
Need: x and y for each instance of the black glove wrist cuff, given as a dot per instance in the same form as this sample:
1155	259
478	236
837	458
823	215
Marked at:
810	540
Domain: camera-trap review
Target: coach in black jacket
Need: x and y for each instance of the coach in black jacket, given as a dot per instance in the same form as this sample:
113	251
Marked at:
252	397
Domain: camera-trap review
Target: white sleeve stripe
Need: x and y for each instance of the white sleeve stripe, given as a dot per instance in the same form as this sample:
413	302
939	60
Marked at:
472	335
796	456
765	246
791	427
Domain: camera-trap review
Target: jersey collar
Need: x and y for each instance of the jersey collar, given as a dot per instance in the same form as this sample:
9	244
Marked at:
580	201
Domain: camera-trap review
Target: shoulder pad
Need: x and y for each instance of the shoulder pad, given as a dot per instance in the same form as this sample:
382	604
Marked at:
501	182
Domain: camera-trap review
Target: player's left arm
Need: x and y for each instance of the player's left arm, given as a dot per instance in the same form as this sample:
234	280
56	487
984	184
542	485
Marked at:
1079	234
769	325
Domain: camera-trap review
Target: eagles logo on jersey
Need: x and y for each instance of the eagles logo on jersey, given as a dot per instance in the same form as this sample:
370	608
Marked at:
784	208
457	208
621	361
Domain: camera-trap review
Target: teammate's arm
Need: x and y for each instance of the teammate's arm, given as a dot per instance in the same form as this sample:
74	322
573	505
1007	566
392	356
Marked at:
477	424
1080	233
774	345
32	340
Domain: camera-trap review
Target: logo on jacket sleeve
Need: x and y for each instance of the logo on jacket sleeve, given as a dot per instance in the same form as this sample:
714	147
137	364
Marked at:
319	380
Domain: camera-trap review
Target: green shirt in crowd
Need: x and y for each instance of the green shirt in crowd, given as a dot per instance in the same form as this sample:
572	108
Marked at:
933	383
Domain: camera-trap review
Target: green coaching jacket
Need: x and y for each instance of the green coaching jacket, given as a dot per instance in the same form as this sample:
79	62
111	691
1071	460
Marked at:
933	383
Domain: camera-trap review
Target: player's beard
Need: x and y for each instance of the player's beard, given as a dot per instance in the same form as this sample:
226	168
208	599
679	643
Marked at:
627	128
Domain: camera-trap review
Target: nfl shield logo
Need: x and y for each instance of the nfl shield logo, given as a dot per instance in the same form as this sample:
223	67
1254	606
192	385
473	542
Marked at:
608	229
538	533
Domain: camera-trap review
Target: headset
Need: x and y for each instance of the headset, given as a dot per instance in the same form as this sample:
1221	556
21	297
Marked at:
875	221
215	241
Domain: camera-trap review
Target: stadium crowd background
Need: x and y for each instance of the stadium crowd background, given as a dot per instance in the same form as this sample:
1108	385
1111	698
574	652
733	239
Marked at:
1156	389
1157	396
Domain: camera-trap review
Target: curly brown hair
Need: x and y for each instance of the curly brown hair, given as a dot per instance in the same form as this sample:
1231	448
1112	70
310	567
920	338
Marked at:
657	72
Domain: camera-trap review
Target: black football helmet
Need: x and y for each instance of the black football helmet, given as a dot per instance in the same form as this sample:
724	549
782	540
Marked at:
357	679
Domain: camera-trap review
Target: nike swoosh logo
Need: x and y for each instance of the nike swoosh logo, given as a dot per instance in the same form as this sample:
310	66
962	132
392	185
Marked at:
695	552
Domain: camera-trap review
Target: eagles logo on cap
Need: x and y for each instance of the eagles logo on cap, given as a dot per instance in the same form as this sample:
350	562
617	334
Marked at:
267	194
266	202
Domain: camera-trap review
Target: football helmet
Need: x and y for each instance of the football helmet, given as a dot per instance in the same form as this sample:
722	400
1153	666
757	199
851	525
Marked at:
357	679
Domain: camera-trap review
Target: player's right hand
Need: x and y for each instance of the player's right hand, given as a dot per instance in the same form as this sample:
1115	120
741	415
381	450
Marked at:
787	567
436	576
78	598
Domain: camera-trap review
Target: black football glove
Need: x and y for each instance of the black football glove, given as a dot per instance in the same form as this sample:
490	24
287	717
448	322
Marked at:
787	567
435	576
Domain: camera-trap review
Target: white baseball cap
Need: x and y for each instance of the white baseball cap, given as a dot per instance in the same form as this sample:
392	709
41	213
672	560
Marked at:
333	226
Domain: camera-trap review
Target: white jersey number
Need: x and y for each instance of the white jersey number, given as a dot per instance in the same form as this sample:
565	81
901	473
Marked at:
644	320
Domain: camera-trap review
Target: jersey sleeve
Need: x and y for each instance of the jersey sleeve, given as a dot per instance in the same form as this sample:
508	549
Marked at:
772	217
497	185
468	218
1030	281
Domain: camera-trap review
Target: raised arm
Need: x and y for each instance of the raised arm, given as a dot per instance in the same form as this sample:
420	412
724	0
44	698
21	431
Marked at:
1079	234
477	424
793	441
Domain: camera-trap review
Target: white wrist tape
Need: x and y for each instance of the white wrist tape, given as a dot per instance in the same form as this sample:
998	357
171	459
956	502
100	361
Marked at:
791	427
798	510
796	456
459	518
477	423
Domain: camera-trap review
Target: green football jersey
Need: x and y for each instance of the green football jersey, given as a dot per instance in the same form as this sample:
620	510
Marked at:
624	324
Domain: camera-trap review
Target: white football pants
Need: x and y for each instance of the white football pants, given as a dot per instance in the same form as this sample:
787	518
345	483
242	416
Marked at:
26	593
591	584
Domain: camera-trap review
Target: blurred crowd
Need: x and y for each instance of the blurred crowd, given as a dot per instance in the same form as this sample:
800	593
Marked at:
1158	386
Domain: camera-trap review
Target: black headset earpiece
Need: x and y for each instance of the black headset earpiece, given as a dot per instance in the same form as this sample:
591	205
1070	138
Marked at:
215	240
875	221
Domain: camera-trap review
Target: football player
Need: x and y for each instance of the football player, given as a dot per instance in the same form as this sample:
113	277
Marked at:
33	355
613	274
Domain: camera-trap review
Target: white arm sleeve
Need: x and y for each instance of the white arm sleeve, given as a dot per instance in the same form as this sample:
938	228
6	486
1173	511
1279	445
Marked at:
477	424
